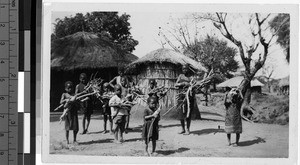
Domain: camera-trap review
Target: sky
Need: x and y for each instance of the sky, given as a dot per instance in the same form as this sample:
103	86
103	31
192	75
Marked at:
145	28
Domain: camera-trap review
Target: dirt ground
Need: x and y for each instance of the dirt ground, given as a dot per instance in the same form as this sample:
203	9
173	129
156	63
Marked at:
205	140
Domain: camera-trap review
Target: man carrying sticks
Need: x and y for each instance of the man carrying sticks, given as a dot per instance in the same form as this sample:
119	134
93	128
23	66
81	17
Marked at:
185	99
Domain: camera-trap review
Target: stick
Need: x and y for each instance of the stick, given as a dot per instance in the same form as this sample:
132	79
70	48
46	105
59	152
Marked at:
78	98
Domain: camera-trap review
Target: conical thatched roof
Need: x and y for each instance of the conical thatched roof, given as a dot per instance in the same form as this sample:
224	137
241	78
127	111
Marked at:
236	81
86	50
162	56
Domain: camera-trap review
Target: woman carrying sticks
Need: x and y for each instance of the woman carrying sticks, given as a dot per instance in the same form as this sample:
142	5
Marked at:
185	102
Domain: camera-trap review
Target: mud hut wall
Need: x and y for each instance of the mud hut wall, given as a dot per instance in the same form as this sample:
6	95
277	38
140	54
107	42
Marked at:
165	75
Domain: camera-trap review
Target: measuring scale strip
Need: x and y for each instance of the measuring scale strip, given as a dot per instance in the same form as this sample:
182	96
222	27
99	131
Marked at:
9	41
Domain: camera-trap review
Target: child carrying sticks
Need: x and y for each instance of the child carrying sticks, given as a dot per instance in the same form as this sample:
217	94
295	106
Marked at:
119	111
70	114
150	127
106	96
85	104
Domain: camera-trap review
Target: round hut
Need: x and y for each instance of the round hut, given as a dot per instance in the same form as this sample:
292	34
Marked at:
284	85
234	82
83	52
163	65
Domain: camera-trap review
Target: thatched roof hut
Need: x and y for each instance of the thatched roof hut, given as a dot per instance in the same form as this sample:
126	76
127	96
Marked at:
236	81
164	65
86	50
83	52
284	85
161	56
284	81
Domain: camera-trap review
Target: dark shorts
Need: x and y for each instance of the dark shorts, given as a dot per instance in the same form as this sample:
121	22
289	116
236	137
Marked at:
120	119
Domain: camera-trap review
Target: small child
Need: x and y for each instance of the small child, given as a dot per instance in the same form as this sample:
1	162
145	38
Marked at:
126	95
106	96
153	90
119	111
70	111
150	127
87	111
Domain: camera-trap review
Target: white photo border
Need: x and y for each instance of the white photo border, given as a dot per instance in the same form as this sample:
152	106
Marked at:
50	6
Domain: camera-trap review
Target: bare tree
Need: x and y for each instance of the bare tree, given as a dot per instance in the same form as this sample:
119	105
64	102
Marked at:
268	72
260	35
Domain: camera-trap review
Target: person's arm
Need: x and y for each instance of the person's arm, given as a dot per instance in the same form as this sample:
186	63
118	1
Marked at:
146	115
76	89
226	103
179	83
62	99
112	82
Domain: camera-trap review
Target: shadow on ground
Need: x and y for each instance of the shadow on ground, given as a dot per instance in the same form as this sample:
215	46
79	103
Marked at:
207	131
134	139
171	125
202	118
210	113
169	152
251	142
97	141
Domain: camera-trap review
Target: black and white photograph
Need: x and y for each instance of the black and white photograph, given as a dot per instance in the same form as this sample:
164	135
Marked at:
160	81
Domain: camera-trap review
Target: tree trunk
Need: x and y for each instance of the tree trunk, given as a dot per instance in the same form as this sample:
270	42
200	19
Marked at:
245	88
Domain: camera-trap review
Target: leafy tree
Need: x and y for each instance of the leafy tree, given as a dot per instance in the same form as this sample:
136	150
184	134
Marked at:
214	53
281	26
107	25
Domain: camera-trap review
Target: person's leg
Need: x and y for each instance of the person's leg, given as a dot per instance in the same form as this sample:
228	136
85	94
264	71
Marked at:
122	130
88	122
104	123
182	126
110	123
83	124
75	136
228	138
127	122
237	138
67	136
116	130
153	145
146	148
188	124
121	135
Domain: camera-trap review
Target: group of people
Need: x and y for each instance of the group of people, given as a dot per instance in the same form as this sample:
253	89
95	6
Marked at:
116	106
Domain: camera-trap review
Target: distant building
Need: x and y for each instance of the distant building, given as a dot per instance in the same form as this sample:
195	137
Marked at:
284	85
256	85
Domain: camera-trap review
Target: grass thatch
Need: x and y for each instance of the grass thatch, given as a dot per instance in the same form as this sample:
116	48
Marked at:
84	50
164	56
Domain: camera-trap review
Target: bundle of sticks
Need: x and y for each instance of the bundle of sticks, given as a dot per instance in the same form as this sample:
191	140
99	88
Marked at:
93	87
195	86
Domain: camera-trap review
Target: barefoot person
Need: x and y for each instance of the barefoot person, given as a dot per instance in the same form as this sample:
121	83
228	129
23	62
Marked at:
150	127
106	96
183	83
233	121
85	106
70	114
119	111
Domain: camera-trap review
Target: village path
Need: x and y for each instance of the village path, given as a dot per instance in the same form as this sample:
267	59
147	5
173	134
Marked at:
205	140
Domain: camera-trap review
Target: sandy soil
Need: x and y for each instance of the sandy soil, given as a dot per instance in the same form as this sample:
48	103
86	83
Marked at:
205	140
